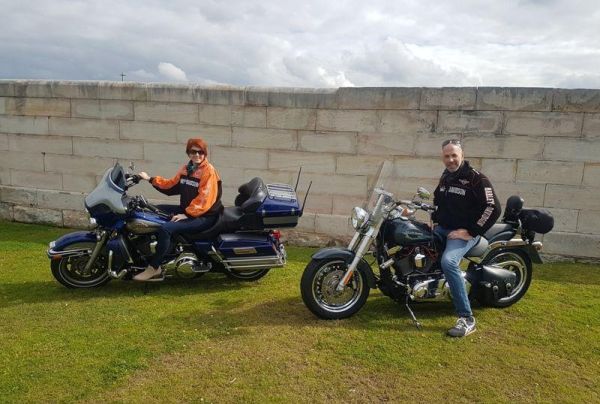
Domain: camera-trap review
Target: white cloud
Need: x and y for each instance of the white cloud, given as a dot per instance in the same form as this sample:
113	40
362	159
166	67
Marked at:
171	72
140	75
308	44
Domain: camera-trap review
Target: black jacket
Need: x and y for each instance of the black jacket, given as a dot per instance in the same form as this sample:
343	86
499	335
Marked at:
465	199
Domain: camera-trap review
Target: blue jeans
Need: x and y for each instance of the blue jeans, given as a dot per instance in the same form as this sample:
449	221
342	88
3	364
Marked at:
453	253
169	229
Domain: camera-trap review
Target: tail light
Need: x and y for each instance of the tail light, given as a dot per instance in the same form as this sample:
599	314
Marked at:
276	235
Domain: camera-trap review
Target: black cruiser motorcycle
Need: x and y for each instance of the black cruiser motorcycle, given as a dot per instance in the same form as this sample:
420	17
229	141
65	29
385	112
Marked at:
337	281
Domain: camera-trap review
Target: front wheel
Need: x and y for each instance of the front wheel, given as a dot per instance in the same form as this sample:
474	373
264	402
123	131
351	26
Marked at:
518	262
70	271
319	289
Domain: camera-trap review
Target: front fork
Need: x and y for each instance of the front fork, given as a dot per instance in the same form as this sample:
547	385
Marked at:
363	247
102	237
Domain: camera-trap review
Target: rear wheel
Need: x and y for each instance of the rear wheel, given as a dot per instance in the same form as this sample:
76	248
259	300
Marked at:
247	275
518	262
71	272
319	289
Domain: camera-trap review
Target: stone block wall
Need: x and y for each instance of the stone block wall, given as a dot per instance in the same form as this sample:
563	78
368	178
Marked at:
57	138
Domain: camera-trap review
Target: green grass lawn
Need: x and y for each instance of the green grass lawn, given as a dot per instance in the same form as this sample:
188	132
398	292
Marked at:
217	340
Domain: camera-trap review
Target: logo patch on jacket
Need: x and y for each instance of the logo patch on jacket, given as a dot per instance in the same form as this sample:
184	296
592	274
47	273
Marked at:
186	181
464	182
489	195
457	191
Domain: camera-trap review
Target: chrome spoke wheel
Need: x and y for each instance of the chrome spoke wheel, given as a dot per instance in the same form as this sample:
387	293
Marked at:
71	271
324	287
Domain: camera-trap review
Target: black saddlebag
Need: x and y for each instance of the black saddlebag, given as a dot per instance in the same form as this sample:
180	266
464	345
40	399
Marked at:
538	220
491	283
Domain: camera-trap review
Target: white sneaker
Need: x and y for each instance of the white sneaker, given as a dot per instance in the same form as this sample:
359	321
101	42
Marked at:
464	326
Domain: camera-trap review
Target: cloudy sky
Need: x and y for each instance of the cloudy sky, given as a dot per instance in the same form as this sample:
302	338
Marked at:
533	43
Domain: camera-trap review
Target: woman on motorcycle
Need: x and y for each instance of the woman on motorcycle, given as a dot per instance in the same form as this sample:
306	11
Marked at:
199	186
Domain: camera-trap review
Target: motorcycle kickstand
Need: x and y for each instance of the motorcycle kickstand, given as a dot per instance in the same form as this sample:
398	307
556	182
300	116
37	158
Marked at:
412	315
146	287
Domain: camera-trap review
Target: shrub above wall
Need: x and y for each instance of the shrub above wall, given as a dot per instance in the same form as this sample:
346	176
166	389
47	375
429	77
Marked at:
58	137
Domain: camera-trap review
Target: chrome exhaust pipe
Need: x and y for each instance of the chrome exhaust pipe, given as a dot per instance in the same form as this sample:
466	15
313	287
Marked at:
507	243
112	273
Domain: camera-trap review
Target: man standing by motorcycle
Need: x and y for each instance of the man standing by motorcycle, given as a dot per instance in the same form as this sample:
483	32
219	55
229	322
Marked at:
199	187
467	207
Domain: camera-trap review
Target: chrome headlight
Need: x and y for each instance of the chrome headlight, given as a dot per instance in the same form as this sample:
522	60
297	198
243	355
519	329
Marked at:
93	222
359	218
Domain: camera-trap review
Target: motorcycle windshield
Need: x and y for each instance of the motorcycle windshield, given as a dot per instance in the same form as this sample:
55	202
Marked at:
110	191
383	180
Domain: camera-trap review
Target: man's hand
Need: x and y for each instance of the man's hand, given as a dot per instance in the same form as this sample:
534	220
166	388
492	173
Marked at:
144	175
179	217
461	234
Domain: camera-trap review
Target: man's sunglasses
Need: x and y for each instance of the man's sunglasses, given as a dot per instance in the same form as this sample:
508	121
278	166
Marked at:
455	142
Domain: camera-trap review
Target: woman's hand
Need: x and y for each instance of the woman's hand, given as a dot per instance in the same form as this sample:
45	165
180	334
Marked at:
144	175
179	217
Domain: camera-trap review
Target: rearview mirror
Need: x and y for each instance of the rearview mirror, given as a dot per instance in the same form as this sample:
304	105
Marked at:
423	193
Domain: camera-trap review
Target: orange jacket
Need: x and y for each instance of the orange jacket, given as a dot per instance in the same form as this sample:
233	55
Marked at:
199	189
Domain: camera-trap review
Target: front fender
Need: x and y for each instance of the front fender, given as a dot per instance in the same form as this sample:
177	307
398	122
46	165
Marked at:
334	252
347	256
73	238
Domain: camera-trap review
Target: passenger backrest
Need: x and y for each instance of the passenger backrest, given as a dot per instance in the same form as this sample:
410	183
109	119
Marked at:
251	195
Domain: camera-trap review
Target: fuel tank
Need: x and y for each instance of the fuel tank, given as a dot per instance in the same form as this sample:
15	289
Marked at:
406	232
141	226
143	223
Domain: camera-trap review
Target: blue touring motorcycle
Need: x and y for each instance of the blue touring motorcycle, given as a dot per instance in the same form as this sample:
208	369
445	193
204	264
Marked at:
242	244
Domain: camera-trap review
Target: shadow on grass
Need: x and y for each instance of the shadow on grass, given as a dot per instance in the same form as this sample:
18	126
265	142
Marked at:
51	291
377	313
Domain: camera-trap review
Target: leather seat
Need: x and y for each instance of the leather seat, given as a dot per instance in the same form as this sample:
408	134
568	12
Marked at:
228	221
478	249
500	231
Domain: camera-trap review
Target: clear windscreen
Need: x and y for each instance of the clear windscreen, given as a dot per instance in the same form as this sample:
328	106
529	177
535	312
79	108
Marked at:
107	192
384	179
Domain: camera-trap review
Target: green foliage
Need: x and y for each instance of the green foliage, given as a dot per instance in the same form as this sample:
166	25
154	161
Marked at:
215	339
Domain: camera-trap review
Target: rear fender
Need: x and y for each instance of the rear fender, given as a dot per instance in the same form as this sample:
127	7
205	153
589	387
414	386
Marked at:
505	235
347	256
533	254
527	249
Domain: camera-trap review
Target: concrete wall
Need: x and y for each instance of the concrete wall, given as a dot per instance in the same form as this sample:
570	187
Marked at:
56	138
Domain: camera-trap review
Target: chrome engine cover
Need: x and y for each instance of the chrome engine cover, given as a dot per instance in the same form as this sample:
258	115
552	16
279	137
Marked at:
187	265
435	289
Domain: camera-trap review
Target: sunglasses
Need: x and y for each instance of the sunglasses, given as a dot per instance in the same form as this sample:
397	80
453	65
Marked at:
194	152
455	142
